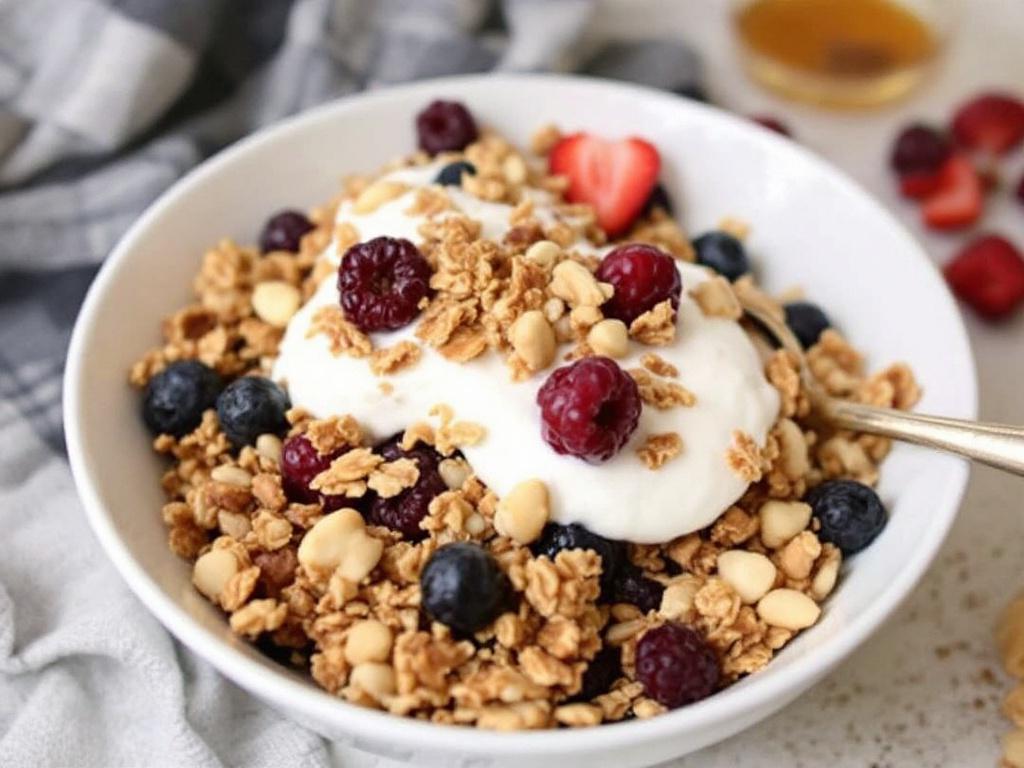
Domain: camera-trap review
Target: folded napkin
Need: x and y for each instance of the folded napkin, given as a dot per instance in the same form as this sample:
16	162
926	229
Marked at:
103	104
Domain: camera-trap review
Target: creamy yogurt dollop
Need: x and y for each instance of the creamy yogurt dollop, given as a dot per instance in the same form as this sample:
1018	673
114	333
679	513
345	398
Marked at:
621	498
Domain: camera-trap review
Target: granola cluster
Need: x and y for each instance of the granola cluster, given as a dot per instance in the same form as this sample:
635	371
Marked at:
324	591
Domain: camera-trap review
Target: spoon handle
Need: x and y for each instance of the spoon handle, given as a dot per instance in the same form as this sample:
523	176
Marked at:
998	445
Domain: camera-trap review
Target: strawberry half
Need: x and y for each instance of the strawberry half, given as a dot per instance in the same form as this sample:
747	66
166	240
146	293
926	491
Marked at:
614	177
992	121
989	275
918	186
957	201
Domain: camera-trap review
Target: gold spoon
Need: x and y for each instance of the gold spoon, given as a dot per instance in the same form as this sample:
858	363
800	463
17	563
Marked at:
997	445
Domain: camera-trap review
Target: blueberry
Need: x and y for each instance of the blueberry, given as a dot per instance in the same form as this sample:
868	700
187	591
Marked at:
603	670
723	253
658	199
636	589
451	174
463	587
850	513
177	396
283	231
806	321
556	537
251	406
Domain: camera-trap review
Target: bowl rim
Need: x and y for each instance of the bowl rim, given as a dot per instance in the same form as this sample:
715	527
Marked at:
300	697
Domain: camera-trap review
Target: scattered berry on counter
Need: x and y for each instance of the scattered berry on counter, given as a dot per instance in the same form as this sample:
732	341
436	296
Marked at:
252	406
445	126
772	124
283	231
723	253
463	588
993	122
957	203
988	273
557	537
1018	191
917	157
643	276
176	397
615	177
602	671
850	513
381	283
589	409
658	198
806	321
633	587
300	463
676	666
451	174
404	512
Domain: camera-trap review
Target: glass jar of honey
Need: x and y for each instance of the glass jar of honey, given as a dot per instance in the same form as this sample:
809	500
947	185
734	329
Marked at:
841	53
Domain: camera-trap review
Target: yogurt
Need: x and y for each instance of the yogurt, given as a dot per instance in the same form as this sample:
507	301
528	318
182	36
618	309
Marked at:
619	499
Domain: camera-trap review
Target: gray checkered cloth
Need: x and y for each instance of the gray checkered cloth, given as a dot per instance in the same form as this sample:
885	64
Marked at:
104	104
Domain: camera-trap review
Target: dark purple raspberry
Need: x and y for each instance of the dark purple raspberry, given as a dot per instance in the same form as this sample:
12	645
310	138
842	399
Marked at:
463	587
382	282
283	231
555	538
404	512
676	666
643	277
919	149
636	589
589	409
445	126
602	671
300	463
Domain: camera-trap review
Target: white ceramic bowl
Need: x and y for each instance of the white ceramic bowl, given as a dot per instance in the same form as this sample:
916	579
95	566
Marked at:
811	226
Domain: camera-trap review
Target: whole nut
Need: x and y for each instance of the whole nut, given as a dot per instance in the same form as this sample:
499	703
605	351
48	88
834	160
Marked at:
269	447
577	286
523	512
374	678
792	449
339	542
378	193
368	641
454	472
533	340
788	609
824	580
276	302
797	558
609	338
231	475
782	520
554	308
677	599
514	169
544	253
751	574
213	571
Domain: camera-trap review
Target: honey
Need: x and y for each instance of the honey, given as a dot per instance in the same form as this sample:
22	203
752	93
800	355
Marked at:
836	52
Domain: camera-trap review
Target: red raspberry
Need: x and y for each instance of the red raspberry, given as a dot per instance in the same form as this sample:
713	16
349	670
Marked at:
676	666
404	512
589	409
382	282
445	126
989	275
643	277
300	463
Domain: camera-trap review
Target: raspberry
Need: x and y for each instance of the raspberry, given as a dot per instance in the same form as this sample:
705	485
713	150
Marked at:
283	231
636	589
300	463
589	409
404	512
643	277
676	666
919	149
382	282
463	587
555	538
445	126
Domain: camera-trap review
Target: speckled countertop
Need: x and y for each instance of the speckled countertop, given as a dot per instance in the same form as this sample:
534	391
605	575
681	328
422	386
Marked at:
925	690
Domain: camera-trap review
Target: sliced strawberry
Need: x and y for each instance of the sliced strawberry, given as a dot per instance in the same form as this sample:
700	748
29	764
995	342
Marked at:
919	185
1019	191
957	202
992	121
615	177
989	275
